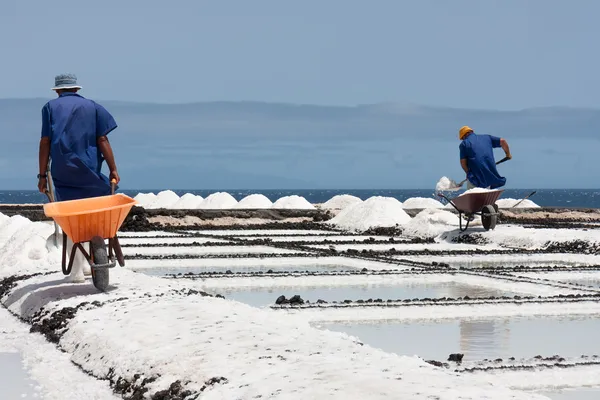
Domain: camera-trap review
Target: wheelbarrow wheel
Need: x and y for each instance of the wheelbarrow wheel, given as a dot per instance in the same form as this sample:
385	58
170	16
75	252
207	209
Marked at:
100	276
489	217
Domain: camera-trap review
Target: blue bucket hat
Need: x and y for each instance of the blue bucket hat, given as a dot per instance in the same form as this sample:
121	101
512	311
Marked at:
65	81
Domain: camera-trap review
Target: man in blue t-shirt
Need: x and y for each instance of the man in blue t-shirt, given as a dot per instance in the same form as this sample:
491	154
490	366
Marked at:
74	133
74	136
477	158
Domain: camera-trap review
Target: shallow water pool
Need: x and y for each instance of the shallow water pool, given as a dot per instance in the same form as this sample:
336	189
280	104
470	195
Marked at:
14	379
265	296
481	339
574	394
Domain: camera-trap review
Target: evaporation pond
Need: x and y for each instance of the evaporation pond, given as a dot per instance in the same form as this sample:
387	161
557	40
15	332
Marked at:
14	379
265	296
152	270
574	394
480	339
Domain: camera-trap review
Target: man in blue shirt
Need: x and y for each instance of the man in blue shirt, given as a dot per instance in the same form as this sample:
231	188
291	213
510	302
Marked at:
477	158
74	136
74	131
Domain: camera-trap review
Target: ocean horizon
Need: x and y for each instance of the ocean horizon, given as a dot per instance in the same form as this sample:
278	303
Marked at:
576	198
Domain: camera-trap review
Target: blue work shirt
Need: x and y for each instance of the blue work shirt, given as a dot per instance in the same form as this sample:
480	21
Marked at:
73	124
478	150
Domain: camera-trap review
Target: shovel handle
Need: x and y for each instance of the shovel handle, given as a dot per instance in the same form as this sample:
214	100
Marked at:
503	160
113	185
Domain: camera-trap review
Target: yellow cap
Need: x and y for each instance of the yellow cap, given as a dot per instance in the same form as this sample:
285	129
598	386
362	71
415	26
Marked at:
463	132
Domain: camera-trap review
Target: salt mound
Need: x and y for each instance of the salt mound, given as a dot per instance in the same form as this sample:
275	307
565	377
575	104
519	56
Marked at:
255	201
479	190
509	203
444	184
293	202
376	211
219	200
340	202
431	223
145	199
188	201
164	199
422	202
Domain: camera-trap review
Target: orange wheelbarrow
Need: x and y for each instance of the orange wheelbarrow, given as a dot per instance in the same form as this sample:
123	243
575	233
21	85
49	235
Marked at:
92	220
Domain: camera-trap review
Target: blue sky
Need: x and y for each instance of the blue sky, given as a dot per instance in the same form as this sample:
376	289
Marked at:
508	54
497	55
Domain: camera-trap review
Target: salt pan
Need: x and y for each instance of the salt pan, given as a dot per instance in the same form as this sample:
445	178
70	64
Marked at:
340	202
188	201
254	201
376	211
421	202
219	200
293	202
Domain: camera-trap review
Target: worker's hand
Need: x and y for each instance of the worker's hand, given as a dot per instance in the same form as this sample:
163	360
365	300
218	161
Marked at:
42	185
114	175
509	156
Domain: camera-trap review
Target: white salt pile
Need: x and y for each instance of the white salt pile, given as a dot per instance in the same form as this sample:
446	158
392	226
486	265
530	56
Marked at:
188	201
145	199
254	201
479	190
376	211
340	202
509	203
219	200
421	202
293	202
164	199
431	223
444	184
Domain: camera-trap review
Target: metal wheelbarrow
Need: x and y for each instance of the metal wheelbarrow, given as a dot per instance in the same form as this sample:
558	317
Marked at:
471	204
92	220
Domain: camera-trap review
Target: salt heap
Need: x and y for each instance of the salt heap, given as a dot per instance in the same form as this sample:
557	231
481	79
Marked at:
422	202
293	202
145	199
188	201
376	211
509	203
479	190
254	201
431	223
164	199
219	200
340	202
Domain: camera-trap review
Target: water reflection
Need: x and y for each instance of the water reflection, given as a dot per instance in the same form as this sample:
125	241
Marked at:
479	339
261	297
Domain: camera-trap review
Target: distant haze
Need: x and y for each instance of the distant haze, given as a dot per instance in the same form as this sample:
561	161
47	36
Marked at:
225	145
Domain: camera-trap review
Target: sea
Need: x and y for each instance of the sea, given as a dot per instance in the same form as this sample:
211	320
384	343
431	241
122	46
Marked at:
572	198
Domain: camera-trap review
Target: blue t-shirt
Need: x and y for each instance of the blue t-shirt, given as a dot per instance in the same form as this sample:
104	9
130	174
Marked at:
478	150
73	124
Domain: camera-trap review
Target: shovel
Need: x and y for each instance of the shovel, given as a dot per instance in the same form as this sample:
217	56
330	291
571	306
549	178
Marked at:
457	186
50	194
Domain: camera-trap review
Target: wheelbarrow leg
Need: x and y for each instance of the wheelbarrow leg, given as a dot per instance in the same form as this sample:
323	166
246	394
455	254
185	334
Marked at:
118	252
64	255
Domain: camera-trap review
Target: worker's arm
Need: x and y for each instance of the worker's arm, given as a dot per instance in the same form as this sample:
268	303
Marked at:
504	145
106	149
44	157
463	164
